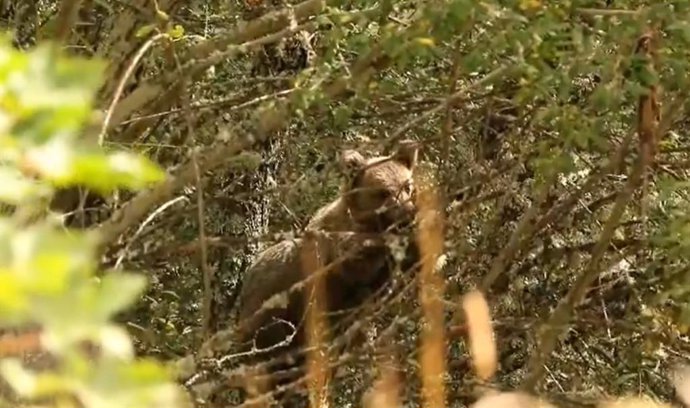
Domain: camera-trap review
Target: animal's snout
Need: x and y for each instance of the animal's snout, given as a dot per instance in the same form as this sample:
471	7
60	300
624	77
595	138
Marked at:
402	212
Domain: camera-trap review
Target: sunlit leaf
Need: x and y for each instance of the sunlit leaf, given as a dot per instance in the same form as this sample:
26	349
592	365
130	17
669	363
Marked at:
145	30
115	342
22	381
16	189
425	41
116	291
529	4
14	304
103	172
176	32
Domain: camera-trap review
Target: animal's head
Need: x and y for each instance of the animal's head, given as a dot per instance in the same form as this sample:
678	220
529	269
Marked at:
380	191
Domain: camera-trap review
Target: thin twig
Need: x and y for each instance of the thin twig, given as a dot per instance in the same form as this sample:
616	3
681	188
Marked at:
648	119
148	219
606	12
121	85
201	105
449	101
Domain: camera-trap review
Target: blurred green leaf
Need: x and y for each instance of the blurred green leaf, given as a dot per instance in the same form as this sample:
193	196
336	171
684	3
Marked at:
103	172
47	271
144	31
341	116
14	304
16	189
116	291
49	94
602	98
176	32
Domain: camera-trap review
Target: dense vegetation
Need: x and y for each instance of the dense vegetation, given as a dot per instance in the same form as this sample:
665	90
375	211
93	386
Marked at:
178	139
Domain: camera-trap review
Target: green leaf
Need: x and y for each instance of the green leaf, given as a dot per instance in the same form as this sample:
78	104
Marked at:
341	116
602	98
144	372
681	29
245	162
16	189
14	304
64	166
46	271
144	31
176	32
116	291
49	95
50	254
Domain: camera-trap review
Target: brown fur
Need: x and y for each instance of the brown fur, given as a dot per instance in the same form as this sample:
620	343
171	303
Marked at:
377	195
278	268
359	263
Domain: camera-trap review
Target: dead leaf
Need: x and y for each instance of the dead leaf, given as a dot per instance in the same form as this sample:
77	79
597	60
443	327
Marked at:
481	335
680	377
633	402
511	400
385	392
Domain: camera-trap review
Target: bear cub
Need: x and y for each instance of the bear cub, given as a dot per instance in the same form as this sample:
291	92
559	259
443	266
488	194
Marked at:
377	195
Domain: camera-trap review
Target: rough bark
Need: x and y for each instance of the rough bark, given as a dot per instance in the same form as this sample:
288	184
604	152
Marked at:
257	211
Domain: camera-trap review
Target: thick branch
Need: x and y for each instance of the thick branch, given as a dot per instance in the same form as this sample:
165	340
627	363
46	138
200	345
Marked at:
265	125
202	56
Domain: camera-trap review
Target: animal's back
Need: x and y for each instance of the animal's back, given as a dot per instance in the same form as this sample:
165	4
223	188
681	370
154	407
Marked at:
333	217
274	270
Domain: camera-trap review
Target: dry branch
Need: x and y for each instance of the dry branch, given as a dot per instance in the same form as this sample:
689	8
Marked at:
316	324
430	240
208	53
270	120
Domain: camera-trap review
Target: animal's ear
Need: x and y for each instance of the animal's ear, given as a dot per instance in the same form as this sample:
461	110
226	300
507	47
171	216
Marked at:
407	153
351	161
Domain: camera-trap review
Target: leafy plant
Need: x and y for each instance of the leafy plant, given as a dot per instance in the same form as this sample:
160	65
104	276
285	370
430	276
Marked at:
48	274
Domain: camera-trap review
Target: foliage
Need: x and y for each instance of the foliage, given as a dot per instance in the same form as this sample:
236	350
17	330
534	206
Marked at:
522	107
48	274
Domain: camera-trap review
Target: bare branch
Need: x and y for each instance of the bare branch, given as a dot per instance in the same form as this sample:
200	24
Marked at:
270	120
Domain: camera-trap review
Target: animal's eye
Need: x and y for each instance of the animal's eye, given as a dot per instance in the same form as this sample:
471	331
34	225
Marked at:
406	188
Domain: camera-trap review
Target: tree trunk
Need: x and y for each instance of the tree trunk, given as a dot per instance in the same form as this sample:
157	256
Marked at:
257	211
